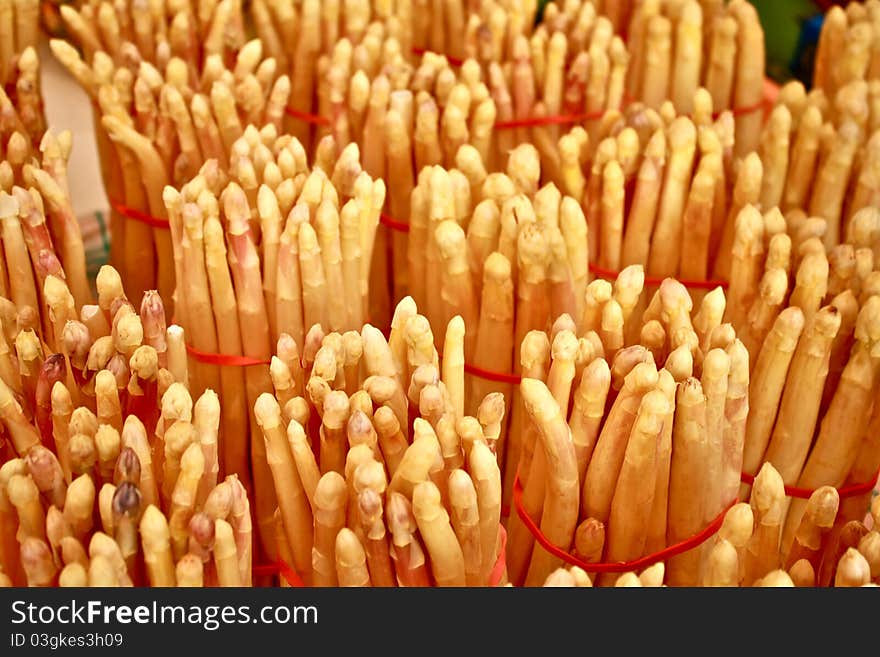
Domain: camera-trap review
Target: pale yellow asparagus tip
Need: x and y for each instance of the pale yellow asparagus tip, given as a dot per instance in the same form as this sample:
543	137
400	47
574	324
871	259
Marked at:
853	569
628	580
776	579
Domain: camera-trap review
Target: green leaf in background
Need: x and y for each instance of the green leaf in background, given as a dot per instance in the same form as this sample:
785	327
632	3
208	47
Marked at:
783	22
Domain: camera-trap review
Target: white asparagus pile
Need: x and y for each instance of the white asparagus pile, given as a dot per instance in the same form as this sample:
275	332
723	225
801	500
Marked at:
19	31
381	477
631	448
848	47
41	235
779	260
572	65
110	473
744	551
810	323
298	34
157	32
156	125
268	249
511	264
344	60
813	411
679	45
825	549
658	189
404	120
820	155
22	110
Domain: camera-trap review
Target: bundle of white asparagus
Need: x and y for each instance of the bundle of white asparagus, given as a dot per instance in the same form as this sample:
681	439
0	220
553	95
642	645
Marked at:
40	233
779	259
503	254
742	553
101	428
302	38
820	155
624	450
814	415
157	32
21	103
157	123
809	322
570	64
848	48
382	478
19	31
269	248
659	190
679	45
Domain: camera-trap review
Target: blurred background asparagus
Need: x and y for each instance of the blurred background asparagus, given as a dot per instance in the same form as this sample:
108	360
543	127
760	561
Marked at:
19	31
166	97
40	232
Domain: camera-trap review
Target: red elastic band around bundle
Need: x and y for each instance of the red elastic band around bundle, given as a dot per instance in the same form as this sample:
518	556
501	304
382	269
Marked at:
137	215
533	121
853	490
283	569
225	359
489	375
280	567
500	566
558	119
393	224
621	566
307	117
742	111
610	274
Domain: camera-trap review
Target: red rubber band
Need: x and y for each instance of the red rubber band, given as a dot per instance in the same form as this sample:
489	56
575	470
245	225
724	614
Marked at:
611	275
280	567
742	111
497	572
557	119
393	224
224	359
489	375
621	566
314	119
137	215
532	121
853	490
